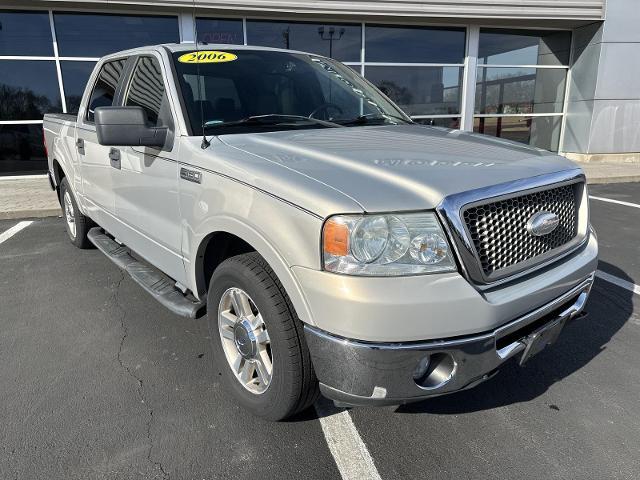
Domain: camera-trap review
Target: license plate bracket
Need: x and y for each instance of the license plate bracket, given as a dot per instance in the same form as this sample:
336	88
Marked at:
540	339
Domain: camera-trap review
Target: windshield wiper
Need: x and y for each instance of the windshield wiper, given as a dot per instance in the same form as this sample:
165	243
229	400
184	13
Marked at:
369	118
270	119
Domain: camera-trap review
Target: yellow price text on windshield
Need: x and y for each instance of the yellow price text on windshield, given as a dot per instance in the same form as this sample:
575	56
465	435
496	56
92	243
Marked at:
207	56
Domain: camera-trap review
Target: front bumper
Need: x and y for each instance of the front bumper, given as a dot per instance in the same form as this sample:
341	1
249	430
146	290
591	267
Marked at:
365	373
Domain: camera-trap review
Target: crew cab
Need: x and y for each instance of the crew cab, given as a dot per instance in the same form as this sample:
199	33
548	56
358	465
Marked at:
333	245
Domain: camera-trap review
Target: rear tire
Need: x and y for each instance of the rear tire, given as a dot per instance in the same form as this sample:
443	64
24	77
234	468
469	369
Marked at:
250	319
76	223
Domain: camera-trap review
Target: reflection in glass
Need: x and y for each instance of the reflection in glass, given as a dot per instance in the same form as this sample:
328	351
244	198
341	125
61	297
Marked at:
220	31
104	90
520	90
95	35
419	90
524	47
28	89
414	44
21	150
75	76
339	41
452	122
25	33
541	132
146	89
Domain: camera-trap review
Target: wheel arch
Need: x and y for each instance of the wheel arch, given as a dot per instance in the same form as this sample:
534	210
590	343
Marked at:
235	238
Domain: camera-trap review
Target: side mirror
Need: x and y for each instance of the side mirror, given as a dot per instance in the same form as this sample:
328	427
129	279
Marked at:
127	127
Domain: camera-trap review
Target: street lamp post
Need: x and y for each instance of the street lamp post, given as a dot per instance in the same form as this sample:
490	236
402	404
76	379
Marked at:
330	37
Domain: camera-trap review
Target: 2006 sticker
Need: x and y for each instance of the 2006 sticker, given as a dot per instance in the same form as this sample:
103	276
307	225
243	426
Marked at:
207	56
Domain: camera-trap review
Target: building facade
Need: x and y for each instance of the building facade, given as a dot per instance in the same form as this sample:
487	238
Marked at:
559	75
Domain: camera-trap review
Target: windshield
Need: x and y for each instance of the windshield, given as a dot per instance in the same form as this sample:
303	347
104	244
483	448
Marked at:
242	91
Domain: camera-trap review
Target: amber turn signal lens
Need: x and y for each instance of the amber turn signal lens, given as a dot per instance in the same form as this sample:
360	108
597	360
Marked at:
336	238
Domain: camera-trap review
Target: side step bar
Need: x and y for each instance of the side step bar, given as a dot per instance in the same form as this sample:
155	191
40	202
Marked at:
161	287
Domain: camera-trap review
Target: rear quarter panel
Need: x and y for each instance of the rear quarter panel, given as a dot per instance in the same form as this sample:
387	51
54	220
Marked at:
60	135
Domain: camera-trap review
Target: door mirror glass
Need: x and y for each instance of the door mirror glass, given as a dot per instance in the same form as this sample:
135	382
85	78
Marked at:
127	127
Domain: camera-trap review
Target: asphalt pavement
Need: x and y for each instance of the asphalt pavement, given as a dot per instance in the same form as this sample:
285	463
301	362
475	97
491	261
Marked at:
97	380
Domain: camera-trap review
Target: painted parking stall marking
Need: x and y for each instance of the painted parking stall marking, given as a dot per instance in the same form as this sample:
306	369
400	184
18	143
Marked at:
7	234
345	444
607	277
618	202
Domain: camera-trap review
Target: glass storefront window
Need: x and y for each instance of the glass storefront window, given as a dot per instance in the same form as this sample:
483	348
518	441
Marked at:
520	90
28	89
75	76
414	44
95	35
339	41
220	31
524	47
541	132
419	90
21	149
25	33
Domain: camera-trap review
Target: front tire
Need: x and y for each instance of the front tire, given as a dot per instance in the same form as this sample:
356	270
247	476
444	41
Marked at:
257	339
77	224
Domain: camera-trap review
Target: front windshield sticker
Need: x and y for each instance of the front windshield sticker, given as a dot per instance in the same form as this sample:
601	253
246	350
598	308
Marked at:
207	56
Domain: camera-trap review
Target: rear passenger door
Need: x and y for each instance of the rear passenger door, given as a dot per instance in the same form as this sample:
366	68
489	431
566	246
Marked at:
95	164
146	185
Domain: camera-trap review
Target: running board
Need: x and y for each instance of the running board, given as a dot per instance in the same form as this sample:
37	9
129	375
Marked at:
161	287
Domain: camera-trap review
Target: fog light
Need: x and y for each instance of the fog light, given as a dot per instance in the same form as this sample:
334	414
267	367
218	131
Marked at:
440	369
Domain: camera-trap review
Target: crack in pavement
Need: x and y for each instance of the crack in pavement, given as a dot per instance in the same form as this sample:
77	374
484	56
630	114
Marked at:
140	389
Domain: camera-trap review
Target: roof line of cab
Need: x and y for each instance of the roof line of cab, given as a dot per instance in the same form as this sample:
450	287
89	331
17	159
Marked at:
185	47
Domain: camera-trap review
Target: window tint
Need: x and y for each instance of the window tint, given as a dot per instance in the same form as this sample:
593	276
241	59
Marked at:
22	149
220	31
95	35
28	89
541	132
104	90
25	33
146	90
420	90
339	41
524	47
520	90
415	45
75	76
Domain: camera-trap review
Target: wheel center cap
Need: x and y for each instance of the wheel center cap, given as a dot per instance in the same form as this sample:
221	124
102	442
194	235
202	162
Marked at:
244	339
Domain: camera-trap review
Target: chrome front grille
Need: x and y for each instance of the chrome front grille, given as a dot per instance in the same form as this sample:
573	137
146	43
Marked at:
498	229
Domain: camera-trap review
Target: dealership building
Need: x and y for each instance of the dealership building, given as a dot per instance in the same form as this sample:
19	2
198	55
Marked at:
556	74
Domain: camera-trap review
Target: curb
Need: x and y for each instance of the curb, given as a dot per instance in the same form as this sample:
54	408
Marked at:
40	213
613	179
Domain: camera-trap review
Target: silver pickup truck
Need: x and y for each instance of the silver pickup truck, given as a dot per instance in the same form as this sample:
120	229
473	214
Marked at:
334	245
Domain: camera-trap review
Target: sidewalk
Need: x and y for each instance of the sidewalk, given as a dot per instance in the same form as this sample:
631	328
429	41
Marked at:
27	197
32	197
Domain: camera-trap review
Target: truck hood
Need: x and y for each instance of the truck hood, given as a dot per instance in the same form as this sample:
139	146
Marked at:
399	167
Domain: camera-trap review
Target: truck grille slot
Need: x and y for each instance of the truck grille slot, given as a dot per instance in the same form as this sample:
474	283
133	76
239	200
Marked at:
499	233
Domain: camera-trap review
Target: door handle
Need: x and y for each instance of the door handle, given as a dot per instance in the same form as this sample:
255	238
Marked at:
80	146
114	157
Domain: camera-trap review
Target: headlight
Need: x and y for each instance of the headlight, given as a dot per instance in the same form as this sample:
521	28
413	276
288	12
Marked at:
386	245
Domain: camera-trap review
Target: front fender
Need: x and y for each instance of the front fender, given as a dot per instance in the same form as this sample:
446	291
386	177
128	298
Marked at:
283	234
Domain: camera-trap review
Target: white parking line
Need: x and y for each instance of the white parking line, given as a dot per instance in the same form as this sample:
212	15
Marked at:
632	287
7	234
349	451
611	200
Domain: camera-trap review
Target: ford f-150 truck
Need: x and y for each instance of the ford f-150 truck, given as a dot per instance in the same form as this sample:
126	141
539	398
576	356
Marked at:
334	245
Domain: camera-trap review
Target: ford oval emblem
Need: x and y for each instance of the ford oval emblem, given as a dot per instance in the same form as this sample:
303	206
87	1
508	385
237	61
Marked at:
542	223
